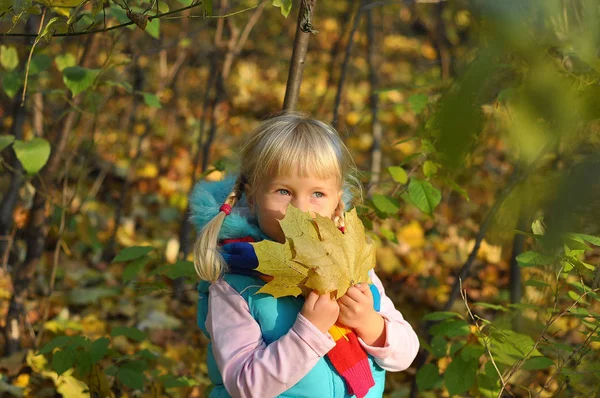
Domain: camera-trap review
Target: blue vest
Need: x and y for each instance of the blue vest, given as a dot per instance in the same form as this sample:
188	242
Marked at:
275	317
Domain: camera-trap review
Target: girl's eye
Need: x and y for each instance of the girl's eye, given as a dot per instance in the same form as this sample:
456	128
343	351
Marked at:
319	194
283	191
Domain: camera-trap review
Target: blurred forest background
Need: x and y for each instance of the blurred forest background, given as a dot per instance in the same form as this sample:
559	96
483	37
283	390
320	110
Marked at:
475	123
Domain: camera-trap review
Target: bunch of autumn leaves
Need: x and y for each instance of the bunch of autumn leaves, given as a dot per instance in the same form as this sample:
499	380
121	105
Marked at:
315	256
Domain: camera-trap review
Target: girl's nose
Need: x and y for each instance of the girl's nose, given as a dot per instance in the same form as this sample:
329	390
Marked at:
300	203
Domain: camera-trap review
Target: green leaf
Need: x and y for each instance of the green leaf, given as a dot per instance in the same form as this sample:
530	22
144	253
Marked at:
536	283
456	346
131	333
428	377
151	100
131	253
137	365
418	102
385	204
398	174
84	296
285	5
423	195
9	59
65	60
389	235
134	268
11	83
537	363
429	169
79	79
153	28
49	29
6	140
594	240
32	154
39	63
438	346
537	227
457	188
460	375
208	7
99	348
170	381
410	157
441	315
451	328
574	296
131	378
532	259
181	268
83	363
575	244
162	7
63	360
488	381
507	346
472	351
56	342
491	306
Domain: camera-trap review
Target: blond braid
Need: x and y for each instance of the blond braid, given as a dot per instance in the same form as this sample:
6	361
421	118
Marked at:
208	262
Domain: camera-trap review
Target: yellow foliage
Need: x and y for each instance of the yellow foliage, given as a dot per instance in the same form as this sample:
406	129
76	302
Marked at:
400	43
61	3
387	260
352	118
316	255
21	381
98	384
92	326
428	51
149	170
412	234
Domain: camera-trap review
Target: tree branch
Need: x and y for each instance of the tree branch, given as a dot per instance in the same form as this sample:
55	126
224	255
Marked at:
292	89
123	25
338	94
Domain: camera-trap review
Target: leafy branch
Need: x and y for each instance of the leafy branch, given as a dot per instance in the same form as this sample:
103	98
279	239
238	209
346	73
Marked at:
134	19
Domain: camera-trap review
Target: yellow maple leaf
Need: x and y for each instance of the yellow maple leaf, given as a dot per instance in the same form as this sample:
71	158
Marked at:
276	259
316	255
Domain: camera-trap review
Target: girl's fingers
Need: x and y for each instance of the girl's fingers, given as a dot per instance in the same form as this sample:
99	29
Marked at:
363	287
354	293
311	299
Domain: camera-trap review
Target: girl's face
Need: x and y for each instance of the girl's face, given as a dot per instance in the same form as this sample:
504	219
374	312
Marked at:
312	194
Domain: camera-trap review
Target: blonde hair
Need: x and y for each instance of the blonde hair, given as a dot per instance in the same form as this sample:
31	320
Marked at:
282	145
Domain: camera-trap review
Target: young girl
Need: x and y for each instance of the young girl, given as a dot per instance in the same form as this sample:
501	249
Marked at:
261	346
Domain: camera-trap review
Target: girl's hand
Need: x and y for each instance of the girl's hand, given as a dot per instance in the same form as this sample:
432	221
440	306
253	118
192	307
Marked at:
357	312
321	310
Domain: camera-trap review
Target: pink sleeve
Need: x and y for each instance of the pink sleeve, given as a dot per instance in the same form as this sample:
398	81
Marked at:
401	342
248	366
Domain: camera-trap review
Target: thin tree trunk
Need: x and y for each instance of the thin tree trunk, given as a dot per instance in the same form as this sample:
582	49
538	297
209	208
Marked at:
515	284
110	248
374	99
338	94
442	44
37	228
333	55
9	200
303	30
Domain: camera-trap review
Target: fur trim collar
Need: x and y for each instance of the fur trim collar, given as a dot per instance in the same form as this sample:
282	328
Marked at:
207	198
